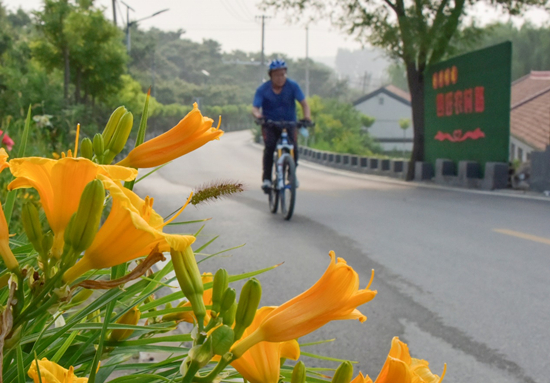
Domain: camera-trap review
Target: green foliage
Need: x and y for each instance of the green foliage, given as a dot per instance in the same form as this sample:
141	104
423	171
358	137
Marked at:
95	53
530	45
339	127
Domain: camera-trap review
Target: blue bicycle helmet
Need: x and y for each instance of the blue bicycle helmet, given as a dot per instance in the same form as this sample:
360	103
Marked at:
277	64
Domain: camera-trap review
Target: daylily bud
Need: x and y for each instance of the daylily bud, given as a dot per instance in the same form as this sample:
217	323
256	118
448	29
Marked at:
218	289
248	304
120	136
83	225
87	148
131	317
299	373
82	296
228	299
229	315
94	317
222	340
99	146
343	373
47	242
32	226
112	124
190	281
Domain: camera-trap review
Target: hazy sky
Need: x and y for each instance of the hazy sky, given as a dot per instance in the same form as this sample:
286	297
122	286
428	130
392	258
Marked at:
233	23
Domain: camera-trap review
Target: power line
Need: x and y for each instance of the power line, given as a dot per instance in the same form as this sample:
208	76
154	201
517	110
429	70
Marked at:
233	12
246	12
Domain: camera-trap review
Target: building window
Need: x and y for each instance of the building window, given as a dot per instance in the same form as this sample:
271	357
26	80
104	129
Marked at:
381	100
520	154
512	152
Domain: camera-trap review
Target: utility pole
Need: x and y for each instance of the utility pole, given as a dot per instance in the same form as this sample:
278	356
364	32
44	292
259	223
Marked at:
307	61
114	12
262	64
130	23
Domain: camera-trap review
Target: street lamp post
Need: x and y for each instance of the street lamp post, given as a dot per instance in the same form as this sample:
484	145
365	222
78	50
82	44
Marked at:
130	23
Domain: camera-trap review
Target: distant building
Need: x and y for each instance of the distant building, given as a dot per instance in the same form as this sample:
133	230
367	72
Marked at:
387	105
530	115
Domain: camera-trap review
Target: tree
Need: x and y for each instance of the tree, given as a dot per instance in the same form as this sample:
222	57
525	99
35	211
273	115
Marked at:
78	38
417	32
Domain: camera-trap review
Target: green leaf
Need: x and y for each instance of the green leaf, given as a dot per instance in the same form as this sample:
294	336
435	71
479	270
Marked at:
109	310
151	172
316	343
188	222
61	350
141	133
21	376
145	378
143	122
145	341
10	199
220	252
324	357
206	244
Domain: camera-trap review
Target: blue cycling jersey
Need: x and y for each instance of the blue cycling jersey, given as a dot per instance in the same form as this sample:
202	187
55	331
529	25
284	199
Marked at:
278	107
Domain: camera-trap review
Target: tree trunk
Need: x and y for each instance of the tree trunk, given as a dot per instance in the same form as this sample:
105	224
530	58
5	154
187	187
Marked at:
77	86
67	76
415	79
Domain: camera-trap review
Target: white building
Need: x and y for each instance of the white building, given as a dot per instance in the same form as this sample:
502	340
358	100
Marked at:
388	105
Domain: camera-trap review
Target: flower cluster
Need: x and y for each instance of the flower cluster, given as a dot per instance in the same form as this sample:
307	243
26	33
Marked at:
96	226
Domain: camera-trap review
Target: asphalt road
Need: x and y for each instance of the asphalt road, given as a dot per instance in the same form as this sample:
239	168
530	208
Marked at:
462	277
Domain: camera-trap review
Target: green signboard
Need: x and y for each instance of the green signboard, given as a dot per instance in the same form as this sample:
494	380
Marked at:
467	107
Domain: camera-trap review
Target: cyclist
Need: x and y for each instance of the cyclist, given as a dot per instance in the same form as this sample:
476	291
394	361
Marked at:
275	100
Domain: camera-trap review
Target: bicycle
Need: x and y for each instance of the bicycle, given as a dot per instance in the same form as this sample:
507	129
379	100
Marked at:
283	178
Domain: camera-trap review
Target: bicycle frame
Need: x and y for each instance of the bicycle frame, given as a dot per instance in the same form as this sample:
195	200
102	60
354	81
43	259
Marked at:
284	148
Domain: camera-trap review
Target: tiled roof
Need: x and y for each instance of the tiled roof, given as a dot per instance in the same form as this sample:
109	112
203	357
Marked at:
530	109
390	90
399	92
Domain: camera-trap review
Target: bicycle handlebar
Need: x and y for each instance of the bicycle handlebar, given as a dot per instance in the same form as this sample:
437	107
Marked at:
283	124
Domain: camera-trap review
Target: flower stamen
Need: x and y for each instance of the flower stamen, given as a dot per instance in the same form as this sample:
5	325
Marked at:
371	278
76	140
179	211
219	123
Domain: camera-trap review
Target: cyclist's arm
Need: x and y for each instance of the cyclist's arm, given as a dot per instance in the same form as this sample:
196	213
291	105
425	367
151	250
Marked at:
306	110
256	112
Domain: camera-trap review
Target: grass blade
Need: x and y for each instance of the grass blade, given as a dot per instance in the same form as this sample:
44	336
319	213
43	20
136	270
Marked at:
10	200
141	132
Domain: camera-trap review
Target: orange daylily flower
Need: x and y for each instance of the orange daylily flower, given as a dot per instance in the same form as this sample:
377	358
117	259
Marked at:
192	132
5	250
334	296
261	362
361	379
132	230
400	367
189	316
60	184
51	372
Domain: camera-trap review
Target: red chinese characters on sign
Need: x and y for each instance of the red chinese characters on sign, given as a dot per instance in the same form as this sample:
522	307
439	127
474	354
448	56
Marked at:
440	100
461	102
449	104
459	105
480	99
468	102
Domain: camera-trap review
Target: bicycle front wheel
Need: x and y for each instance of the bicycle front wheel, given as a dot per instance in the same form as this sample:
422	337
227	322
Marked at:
273	192
288	194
